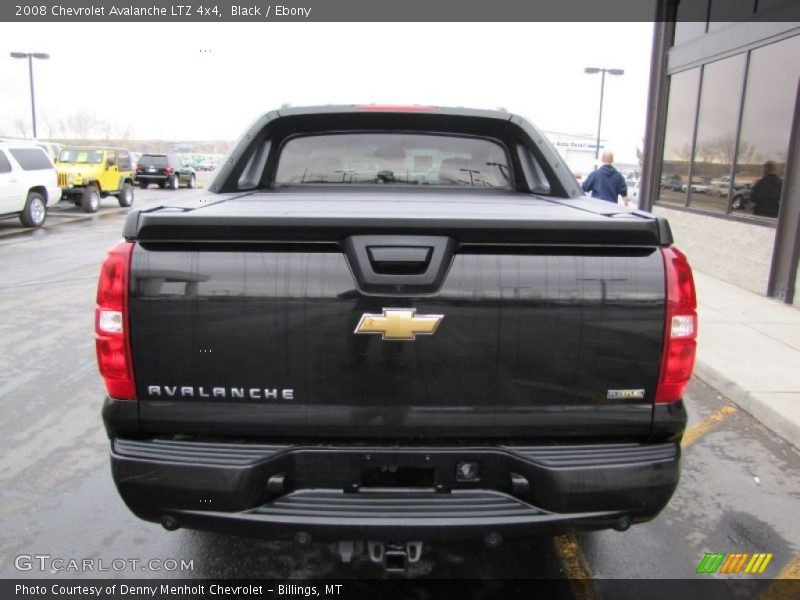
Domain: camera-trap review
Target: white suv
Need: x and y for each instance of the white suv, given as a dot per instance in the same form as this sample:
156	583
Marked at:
28	182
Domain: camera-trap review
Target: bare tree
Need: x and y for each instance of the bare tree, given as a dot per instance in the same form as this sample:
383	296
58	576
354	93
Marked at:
124	133
704	154
684	153
54	127
747	152
106	128
723	148
82	124
21	127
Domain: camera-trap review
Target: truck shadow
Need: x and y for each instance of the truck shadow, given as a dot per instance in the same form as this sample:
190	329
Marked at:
224	556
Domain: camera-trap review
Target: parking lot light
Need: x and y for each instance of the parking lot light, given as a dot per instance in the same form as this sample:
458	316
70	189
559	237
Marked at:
602	71
30	56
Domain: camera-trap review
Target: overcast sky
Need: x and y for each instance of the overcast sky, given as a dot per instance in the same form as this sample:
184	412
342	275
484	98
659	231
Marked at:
209	81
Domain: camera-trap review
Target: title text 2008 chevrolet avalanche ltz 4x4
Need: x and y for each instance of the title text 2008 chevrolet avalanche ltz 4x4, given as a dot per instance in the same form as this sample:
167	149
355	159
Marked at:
390	324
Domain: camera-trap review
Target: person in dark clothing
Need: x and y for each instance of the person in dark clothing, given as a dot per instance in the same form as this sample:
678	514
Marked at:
606	182
766	192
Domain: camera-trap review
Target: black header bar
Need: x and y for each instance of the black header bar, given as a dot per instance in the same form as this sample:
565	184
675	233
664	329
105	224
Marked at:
255	11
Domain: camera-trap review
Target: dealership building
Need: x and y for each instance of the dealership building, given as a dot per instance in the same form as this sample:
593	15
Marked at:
578	150
722	152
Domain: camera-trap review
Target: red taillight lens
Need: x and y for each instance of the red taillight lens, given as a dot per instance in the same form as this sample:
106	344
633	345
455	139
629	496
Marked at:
112	335
680	330
168	170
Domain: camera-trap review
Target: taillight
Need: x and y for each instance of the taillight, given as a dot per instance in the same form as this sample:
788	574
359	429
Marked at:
168	170
112	334
680	330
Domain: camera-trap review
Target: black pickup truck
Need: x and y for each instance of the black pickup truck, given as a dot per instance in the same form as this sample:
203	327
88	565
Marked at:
392	324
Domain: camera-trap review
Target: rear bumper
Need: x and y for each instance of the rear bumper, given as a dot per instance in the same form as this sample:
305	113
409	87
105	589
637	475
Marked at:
53	196
330	491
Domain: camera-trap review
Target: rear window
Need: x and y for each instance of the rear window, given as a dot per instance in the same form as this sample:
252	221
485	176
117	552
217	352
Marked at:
31	159
153	160
393	158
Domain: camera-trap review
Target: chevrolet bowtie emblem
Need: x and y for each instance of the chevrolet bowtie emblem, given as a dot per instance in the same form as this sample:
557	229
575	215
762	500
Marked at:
399	324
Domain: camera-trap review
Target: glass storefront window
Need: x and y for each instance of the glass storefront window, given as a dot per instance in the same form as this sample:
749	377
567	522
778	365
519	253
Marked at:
681	109
765	5
690	20
726	12
766	123
716	134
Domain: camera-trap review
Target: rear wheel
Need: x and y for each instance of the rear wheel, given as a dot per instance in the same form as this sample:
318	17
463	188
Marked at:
162	185
192	182
737	203
35	211
91	199
175	182
143	185
125	197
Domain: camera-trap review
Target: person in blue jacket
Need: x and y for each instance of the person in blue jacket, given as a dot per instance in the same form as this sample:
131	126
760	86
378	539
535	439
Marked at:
606	182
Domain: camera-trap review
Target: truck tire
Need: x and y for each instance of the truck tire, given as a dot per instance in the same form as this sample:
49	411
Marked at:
143	185
192	182
90	202
125	197
35	211
175	182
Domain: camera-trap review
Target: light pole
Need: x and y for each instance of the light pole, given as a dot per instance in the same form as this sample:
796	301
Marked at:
602	71
30	56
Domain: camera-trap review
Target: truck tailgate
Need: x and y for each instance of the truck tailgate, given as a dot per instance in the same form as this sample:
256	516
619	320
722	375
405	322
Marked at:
545	330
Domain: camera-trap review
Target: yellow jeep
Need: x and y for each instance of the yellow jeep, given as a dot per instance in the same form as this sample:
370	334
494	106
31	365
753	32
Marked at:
86	174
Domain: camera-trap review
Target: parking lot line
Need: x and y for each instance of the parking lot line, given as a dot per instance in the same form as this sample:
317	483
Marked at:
792	570
63	218
574	564
703	426
779	589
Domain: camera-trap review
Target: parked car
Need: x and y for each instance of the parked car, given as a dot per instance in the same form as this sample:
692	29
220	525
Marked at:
671	182
633	193
741	191
28	183
719	187
88	173
135	156
165	170
741	197
53	149
206	165
698	186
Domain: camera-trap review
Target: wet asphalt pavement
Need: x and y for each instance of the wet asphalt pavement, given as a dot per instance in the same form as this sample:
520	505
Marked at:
739	490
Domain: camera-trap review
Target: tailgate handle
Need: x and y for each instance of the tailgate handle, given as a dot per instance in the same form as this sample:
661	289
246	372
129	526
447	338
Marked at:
399	264
399	259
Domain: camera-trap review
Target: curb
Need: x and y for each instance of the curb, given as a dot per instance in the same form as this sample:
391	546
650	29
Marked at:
751	403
